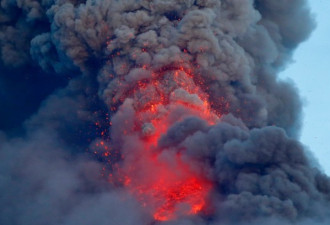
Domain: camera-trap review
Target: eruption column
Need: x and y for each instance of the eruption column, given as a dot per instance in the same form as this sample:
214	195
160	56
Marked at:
161	71
163	178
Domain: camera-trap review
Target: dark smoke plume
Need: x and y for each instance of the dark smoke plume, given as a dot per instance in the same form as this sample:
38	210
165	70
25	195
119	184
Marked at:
78	75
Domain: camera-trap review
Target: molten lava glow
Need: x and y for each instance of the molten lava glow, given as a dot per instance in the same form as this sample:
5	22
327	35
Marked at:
192	192
169	191
165	181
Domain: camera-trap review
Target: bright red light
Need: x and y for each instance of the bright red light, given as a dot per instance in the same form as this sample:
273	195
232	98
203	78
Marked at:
190	193
165	181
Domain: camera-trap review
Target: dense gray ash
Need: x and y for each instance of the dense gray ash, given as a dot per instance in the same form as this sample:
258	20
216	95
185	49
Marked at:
98	51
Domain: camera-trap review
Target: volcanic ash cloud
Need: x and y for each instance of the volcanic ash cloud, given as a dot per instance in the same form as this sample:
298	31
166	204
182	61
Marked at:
163	112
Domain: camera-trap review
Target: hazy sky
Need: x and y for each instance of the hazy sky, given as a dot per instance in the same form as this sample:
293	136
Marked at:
311	73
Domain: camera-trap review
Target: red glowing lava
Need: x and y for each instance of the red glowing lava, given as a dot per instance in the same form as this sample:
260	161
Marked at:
166	181
190	193
169	188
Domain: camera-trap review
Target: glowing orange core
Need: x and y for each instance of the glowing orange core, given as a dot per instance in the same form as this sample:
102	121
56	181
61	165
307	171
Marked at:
162	179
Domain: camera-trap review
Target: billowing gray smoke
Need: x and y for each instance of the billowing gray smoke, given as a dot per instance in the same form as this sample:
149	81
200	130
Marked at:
69	67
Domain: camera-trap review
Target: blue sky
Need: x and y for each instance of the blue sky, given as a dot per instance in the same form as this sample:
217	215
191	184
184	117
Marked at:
310	71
